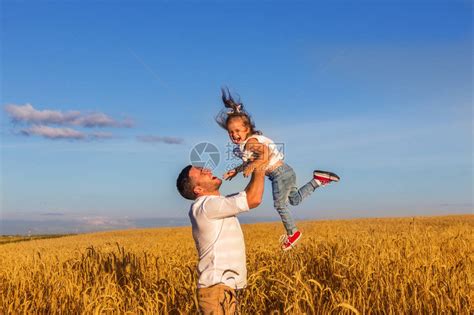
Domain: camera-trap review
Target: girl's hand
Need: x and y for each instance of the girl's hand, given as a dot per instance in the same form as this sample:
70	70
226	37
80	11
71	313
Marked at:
230	174
249	169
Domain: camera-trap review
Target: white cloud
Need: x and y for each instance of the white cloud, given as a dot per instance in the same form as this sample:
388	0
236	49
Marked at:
101	135
38	122
28	114
159	139
100	120
53	133
103	221
64	133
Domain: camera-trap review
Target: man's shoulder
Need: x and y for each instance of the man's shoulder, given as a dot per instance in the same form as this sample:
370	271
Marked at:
204	198
200	202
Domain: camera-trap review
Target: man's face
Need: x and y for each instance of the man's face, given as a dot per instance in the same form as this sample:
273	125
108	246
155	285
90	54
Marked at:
204	180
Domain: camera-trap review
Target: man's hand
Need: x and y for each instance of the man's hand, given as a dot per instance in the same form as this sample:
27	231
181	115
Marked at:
260	156
249	169
230	174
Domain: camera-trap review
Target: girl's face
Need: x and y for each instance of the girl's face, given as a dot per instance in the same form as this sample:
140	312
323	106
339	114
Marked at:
238	131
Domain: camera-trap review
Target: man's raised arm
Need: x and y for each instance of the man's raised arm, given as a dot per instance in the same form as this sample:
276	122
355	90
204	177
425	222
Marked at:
218	208
255	188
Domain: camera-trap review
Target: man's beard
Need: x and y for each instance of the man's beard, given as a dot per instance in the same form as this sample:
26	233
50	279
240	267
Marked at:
215	185
212	186
218	185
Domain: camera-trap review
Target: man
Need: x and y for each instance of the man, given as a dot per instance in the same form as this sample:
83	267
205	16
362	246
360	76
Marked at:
218	236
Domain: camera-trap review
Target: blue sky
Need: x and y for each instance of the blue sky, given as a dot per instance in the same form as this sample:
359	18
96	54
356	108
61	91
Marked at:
379	92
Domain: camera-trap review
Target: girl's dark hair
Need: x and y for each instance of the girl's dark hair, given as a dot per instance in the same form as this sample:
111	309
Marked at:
232	110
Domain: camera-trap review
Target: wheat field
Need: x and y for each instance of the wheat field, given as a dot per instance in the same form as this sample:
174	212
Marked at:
364	266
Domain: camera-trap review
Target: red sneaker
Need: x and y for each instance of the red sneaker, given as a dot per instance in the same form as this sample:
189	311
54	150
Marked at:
325	177
288	241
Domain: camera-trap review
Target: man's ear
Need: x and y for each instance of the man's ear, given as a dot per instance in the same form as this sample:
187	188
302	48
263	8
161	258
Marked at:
198	190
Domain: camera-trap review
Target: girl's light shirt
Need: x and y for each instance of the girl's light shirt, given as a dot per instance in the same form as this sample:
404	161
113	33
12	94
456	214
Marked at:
275	154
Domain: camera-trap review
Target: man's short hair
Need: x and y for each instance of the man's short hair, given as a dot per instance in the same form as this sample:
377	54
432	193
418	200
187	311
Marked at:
185	185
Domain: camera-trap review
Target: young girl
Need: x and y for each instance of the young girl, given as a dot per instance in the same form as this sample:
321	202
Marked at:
256	151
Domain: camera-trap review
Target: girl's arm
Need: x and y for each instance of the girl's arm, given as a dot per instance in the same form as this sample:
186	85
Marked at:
241	167
261	156
233	172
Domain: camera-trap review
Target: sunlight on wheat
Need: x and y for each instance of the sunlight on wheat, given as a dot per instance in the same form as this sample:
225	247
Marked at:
394	266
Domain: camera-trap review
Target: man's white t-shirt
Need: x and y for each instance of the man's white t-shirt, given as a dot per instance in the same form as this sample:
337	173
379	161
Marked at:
219	240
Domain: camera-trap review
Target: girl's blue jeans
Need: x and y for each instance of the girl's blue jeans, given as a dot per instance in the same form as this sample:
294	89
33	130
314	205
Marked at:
284	188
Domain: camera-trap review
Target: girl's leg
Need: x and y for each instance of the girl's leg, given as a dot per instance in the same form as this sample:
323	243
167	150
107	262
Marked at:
282	184
297	195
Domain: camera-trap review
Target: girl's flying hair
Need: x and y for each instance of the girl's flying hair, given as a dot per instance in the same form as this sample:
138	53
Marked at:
234	109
